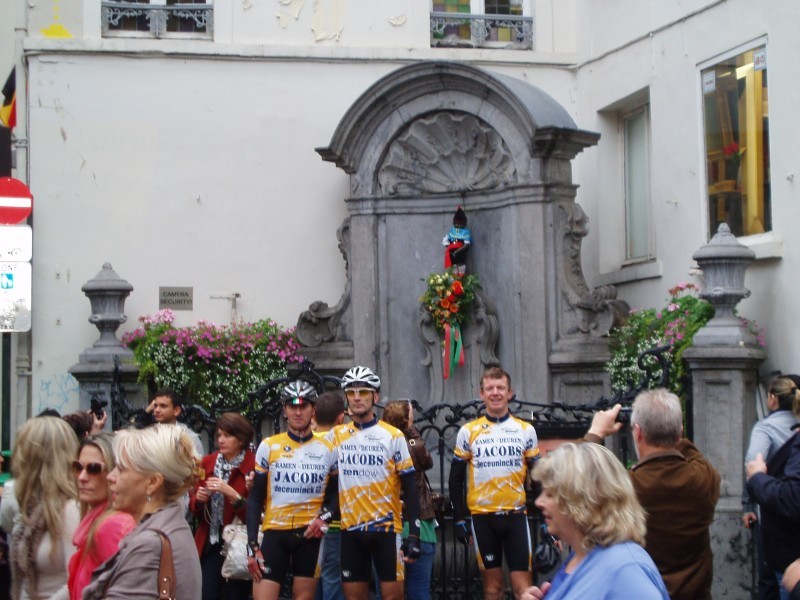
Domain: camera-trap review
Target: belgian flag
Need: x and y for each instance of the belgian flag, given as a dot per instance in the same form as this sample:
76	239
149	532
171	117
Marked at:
8	112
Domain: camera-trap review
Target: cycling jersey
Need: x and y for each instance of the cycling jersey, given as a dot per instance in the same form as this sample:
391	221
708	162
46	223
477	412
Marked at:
297	475
371	456
496	452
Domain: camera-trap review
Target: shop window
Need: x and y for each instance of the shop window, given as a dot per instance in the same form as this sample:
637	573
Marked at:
736	127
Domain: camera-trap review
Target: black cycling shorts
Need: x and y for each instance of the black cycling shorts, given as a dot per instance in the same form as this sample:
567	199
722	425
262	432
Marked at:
496	535
361	548
287	551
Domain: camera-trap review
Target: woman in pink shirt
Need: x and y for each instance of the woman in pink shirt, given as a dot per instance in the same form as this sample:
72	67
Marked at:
98	535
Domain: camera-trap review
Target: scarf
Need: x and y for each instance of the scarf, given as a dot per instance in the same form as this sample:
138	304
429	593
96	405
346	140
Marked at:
24	543
222	469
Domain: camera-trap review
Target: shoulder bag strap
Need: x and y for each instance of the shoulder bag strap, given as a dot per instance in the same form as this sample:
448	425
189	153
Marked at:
166	570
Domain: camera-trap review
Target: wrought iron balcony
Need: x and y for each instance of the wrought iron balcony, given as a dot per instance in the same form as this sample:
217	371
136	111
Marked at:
142	19
449	30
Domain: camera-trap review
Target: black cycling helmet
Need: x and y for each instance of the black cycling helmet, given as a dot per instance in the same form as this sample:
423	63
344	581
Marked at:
299	392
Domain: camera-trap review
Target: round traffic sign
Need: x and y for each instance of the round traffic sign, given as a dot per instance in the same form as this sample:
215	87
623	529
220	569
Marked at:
16	201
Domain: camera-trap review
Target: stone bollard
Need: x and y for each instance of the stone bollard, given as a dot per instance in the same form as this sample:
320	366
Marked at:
724	360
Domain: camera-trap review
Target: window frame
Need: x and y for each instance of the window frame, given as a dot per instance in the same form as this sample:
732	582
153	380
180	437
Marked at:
646	203
158	24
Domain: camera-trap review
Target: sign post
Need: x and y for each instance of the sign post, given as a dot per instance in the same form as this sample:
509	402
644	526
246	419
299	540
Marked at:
16	250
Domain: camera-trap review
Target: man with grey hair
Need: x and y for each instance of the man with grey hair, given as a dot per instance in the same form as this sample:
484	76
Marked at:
677	487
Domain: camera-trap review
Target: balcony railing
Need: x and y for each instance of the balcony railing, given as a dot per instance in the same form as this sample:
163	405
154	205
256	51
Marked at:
449	30
138	19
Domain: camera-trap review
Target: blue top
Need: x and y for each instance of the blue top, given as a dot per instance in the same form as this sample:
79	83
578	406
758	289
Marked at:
619	572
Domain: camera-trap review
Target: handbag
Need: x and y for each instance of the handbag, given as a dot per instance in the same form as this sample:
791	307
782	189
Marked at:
437	499
166	569
234	549
547	555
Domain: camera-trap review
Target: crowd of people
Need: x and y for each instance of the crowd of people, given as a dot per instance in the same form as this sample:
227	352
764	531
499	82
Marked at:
341	502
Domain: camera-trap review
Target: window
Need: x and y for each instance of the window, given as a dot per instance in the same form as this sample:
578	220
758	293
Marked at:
482	23
736	128
157	18
636	144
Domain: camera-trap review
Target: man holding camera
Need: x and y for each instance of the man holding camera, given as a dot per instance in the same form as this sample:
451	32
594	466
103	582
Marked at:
677	487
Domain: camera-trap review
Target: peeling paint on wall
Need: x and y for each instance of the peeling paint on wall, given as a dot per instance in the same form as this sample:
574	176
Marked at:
327	20
247	5
398	21
56	29
293	8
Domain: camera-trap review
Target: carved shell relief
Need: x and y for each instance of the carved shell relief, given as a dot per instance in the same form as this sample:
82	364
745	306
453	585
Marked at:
445	153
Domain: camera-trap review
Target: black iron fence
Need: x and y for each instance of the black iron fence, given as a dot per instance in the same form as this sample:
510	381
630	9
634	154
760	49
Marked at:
456	575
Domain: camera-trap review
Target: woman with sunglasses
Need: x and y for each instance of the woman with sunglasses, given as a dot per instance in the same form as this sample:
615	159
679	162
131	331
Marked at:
99	532
41	544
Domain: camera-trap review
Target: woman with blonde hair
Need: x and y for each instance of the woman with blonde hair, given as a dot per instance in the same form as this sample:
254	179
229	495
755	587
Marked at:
101	529
588	501
45	489
155	467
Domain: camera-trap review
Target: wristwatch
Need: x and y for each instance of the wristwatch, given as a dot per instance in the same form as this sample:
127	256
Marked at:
252	548
326	516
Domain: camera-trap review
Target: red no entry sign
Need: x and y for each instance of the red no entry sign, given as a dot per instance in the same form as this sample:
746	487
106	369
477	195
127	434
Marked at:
16	201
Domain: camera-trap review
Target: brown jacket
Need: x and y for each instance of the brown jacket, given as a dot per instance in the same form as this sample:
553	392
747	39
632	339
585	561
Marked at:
237	481
678	489
132	573
422	462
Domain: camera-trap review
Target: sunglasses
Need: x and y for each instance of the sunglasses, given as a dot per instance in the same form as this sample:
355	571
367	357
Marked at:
358	392
91	468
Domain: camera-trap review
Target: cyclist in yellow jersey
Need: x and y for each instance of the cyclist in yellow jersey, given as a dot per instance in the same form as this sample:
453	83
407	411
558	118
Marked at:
374	465
492	458
295	486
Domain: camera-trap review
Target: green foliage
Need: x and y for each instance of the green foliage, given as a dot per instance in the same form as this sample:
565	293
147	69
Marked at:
211	364
644	330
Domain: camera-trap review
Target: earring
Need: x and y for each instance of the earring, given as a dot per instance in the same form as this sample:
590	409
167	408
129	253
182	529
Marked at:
149	498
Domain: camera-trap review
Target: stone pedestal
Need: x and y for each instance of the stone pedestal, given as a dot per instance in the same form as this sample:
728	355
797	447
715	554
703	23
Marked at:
107	369
724	384
724	362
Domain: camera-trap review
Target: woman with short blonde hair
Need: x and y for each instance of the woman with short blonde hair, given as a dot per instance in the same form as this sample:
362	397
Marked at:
589	502
155	466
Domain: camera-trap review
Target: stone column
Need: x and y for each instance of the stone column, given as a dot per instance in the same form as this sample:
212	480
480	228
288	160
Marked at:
97	371
724	360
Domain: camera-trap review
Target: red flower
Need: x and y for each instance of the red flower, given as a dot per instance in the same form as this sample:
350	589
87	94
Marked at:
730	149
458	288
454	308
444	303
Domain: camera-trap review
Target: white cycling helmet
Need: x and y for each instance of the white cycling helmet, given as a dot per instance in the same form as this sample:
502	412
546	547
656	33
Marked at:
361	377
299	392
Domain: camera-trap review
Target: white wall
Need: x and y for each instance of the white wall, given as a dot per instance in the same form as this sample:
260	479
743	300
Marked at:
622	58
187	172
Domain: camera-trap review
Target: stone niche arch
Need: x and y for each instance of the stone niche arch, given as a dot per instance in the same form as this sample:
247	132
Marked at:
418	143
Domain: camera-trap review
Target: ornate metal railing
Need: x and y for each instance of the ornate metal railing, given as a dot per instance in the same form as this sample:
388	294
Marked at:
481	31
456	576
157	20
